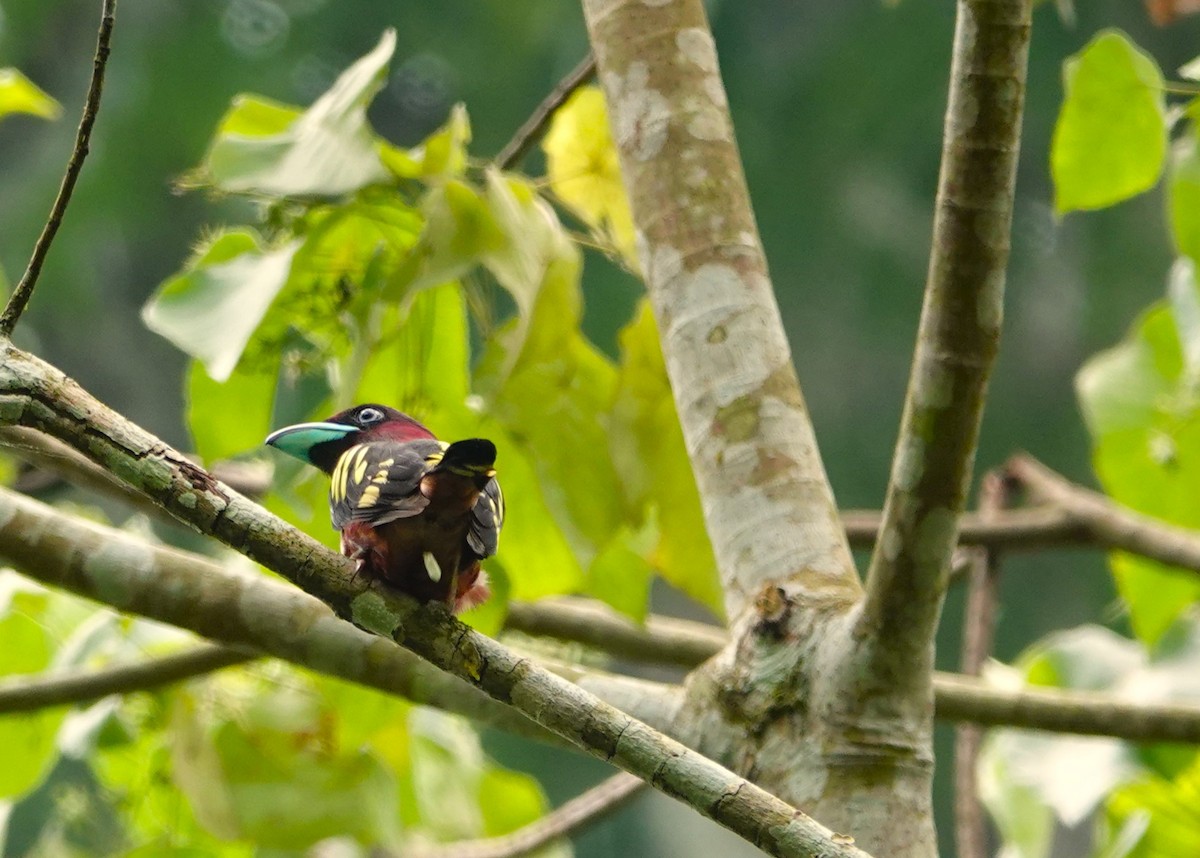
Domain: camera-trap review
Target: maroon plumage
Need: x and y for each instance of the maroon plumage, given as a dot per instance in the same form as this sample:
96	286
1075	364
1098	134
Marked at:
413	511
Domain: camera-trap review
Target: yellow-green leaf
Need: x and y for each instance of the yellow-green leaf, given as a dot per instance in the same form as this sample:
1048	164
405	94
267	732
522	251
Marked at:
18	94
1139	403
584	172
263	147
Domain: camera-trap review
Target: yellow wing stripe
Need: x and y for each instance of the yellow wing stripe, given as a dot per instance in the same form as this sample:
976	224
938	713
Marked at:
369	497
360	466
339	482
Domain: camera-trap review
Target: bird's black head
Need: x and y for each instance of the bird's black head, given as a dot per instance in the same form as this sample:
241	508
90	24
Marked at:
322	444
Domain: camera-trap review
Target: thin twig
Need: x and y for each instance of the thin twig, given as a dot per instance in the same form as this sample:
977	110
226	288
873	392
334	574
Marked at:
535	126
662	640
1013	530
1109	523
84	686
584	810
1086	713
91	105
979	628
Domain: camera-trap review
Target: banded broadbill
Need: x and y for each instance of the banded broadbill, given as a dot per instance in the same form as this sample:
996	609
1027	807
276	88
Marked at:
413	511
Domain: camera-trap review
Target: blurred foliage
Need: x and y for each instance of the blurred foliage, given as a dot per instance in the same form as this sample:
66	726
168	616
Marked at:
842	161
265	760
18	94
1141	406
359	279
356	275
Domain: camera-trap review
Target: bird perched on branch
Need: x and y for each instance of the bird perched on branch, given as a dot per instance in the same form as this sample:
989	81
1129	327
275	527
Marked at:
413	511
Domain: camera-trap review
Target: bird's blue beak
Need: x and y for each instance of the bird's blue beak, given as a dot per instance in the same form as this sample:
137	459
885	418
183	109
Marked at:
300	439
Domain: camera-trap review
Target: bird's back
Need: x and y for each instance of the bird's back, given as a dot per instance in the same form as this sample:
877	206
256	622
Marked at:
419	514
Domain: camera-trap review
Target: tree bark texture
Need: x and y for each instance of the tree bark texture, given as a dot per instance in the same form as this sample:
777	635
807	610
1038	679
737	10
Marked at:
767	501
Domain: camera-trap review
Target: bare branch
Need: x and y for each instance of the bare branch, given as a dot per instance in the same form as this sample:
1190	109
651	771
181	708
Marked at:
534	127
956	345
1107	522
979	632
247	613
959	698
578	813
91	106
1012	530
34	394
26	695
662	640
767	501
1087	713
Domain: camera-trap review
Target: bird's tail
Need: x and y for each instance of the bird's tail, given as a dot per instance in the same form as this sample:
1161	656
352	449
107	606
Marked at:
473	458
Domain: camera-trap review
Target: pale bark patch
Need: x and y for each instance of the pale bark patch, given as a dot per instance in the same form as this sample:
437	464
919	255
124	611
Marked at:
910	463
114	571
697	47
641	114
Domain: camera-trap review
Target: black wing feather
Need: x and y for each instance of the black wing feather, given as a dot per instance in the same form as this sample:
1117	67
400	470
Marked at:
483	537
380	481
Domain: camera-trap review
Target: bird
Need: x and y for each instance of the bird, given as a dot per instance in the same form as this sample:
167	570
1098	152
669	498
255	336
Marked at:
413	511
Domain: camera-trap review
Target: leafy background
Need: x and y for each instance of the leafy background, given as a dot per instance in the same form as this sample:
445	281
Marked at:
838	108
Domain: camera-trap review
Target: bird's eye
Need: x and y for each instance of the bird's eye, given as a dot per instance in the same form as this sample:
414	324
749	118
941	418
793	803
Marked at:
369	415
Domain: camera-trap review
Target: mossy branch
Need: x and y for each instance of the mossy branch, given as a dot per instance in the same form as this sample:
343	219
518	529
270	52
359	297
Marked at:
34	394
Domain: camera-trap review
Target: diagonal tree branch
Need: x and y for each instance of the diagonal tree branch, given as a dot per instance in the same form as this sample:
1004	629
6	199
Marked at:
957	698
956	344
1108	523
246	612
768	505
91	106
1013	530
34	394
663	640
578	813
84	686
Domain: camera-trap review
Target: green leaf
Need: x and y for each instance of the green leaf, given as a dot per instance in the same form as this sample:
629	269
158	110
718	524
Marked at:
269	775
620	575
211	309
423	361
459	230
328	150
344	241
1025	774
552	401
1139	401
29	740
1025	823
646	443
1170	811
457	792
1111	136
230	417
444	153
512	800
18	94
422	367
1086	658
1183	196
